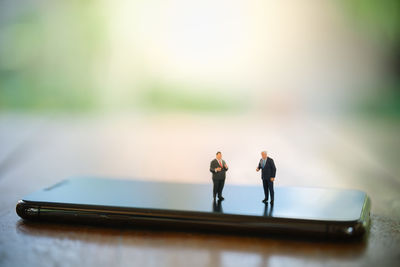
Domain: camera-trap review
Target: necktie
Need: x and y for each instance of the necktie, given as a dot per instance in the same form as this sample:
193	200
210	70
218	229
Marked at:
263	163
220	164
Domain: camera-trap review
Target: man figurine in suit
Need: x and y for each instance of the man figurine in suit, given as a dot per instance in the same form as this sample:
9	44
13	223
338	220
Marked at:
218	168
268	171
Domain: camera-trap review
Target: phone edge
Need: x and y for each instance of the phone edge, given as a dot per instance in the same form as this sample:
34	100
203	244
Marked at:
270	225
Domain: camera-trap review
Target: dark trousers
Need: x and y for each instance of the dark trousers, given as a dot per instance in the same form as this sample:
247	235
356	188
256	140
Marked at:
218	186
268	186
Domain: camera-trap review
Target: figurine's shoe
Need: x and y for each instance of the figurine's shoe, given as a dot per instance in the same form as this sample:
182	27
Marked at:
272	202
221	198
265	200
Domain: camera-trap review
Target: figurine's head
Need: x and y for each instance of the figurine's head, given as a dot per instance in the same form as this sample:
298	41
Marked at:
264	154
219	155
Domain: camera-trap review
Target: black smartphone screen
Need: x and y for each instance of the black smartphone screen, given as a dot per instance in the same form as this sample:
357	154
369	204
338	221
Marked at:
292	203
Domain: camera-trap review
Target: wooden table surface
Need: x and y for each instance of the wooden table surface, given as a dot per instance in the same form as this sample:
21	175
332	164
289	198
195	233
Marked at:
39	150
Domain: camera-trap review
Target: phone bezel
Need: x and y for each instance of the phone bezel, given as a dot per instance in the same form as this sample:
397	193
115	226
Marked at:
193	220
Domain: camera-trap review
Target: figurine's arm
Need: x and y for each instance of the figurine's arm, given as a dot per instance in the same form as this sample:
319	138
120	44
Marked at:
259	166
225	166
273	168
212	168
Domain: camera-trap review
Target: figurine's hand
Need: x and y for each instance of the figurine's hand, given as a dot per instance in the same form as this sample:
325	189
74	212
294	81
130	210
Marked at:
272	179
226	166
257	169
216	169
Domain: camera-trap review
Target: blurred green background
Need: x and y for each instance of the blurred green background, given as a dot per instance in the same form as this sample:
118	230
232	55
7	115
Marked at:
80	56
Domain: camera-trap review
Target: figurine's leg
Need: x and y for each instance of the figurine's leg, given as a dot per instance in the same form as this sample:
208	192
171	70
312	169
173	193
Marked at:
271	190
215	188
265	185
221	187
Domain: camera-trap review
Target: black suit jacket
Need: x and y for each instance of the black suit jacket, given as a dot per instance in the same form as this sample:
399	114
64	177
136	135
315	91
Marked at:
217	175
269	169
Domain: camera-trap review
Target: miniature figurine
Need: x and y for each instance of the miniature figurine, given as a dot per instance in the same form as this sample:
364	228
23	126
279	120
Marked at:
218	168
268	172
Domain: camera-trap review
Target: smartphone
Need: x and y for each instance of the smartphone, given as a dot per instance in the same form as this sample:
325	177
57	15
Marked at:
306	211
